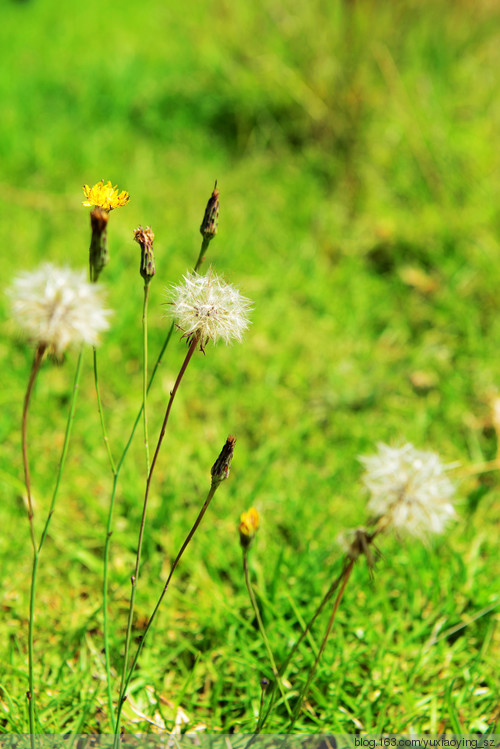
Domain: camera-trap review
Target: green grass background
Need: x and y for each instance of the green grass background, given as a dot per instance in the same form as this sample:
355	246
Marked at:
356	149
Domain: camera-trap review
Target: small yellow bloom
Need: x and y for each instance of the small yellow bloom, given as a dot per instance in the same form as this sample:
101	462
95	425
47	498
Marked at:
105	196
249	524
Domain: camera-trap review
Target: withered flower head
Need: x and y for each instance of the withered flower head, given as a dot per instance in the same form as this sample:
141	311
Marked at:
145	237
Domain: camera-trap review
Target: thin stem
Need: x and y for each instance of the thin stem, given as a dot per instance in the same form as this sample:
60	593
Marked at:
135	575
145	372
64	452
177	559
37	551
101	414
347	573
201	256
204	247
107	657
109	525
328	595
262	629
109	531
35	368
31	626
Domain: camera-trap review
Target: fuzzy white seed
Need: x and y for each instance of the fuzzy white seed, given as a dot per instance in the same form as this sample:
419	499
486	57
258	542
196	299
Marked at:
209	308
57	307
409	490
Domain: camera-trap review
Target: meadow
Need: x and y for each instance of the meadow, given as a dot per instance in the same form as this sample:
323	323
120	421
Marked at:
355	145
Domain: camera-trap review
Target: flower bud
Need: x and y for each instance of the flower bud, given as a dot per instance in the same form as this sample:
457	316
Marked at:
98	256
210	221
145	238
249	524
221	467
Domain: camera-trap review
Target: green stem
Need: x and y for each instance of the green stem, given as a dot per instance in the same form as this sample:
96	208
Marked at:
109	526
204	247
201	256
328	595
135	575
145	372
347	573
64	452
35	368
101	414
177	559
109	532
262	630
37	550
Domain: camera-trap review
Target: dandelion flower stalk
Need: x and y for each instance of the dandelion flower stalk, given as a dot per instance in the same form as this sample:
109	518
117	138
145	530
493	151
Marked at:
249	523
345	579
115	470
409	493
145	238
206	309
37	549
135	576
98	251
219	472
55	308
159	358
37	360
120	463
327	597
145	373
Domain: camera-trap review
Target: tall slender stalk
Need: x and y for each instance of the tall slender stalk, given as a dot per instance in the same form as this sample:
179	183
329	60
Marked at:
135	576
145	372
35	368
262	630
361	544
177	559
38	548
116	475
346	575
331	590
159	358
101	415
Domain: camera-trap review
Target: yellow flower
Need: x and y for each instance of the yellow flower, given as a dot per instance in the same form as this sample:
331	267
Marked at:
105	196
249	524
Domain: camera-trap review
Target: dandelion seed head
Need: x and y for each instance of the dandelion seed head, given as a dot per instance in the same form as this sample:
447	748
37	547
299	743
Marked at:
209	308
57	307
409	489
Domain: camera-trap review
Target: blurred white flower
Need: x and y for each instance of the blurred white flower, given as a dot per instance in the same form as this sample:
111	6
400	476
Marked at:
409	489
56	307
209	308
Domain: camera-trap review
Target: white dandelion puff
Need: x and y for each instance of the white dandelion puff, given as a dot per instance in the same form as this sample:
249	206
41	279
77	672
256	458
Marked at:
57	307
208	308
409	489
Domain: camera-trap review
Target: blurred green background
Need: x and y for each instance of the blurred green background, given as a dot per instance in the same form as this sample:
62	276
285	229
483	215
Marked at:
355	146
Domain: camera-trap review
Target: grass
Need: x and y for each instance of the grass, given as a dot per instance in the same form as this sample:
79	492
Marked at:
355	150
